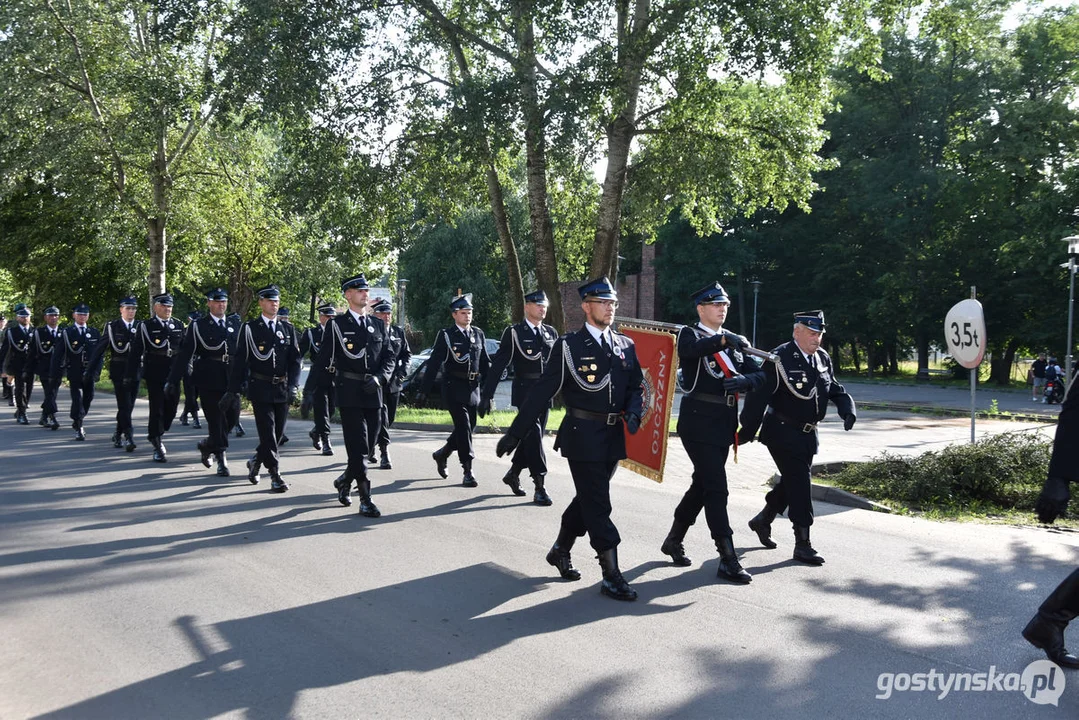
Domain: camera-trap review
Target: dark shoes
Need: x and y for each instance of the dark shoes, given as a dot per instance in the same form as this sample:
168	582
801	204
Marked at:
469	480
222	465
80	435
327	449
129	442
440	456
803	551
159	449
1048	635
512	479
344	487
614	585
367	508
20	418
238	431
205	452
195	422
672	545
277	484
729	567
384	460
183	419
540	497
558	556
316	439
116	441
54	424
762	525
253	466
284	439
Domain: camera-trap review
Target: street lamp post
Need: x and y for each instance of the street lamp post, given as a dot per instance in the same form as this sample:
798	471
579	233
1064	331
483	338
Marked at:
756	291
1073	250
401	318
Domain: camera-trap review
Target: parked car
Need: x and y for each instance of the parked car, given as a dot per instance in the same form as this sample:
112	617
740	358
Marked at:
417	366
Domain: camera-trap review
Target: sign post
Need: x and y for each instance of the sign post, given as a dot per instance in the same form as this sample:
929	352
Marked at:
964	330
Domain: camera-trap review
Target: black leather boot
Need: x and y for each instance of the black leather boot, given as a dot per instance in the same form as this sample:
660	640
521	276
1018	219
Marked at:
343	484
1046	629
512	478
729	567
327	449
672	545
205	452
44	419
183	419
803	551
238	430
614	585
440	456
195	421
159	449
129	442
284	439
116	441
79	433
558	556
762	525
20	417
384	458
222	464
367	508
316	439
277	483
54	424
540	497
469	480
253	466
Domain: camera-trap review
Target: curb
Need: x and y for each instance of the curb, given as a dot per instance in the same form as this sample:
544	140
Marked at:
834	495
956	412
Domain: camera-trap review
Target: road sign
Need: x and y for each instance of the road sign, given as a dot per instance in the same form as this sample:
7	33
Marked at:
964	329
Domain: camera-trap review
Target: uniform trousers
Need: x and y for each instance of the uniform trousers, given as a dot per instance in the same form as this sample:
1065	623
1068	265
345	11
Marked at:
191	397
82	394
530	453
125	393
216	424
708	488
359	427
8	390
270	418
24	387
389	412
51	389
162	407
323	406
460	440
590	509
794	486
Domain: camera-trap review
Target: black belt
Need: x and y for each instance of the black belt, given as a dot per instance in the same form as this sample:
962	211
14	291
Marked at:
462	375
784	420
274	379
222	359
354	376
728	400
606	418
529	376
160	353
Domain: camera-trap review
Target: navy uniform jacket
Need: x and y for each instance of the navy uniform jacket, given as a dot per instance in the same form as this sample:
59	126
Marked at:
590	381
1064	462
529	354
311	346
41	345
78	354
798	397
704	415
16	348
401	353
212	348
118	341
464	362
269	362
154	346
353	353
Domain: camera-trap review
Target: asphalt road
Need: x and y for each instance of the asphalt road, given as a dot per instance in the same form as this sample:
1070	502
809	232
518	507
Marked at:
135	590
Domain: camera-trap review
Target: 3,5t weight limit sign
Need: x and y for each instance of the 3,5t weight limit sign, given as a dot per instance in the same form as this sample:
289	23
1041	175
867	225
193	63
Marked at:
964	329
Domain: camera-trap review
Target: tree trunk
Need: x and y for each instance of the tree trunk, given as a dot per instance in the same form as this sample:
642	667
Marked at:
893	357
157	246
1000	367
854	356
539	214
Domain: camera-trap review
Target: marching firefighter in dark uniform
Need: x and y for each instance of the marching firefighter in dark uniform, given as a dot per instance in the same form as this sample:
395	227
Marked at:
208	348
77	352
786	409
9	390
16	354
714	372
391	392
191	390
118	342
355	353
318	396
1046	629
600	378
527	347
41	349
268	360
460	352
155	345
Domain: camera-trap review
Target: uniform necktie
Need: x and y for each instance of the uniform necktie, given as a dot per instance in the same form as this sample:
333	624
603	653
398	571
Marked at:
605	344
271	325
536	330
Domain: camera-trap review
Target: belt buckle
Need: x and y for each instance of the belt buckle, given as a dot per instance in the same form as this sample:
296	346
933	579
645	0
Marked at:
473	375
808	428
732	401
278	380
612	418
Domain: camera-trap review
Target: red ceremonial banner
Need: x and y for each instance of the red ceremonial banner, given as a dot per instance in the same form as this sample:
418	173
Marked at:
656	351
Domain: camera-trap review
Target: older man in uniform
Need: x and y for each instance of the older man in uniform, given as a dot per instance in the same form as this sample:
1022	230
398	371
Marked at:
714	371
527	345
318	396
391	392
268	360
40	364
152	352
208	347
119	339
460	352
191	390
77	352
16	353
355	353
793	399
600	378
